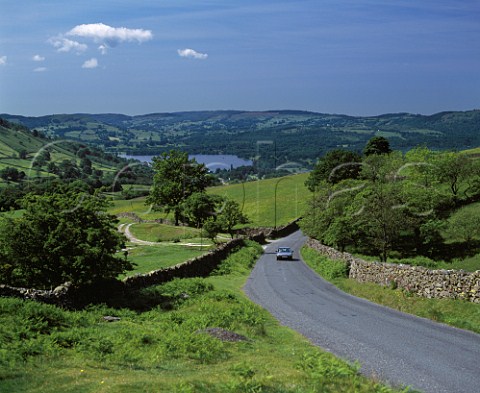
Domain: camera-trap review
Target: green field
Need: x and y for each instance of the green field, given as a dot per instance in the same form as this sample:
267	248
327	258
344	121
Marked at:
258	199
154	232
149	258
137	206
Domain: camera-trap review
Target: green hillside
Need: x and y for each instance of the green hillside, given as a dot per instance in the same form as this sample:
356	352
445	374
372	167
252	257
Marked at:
15	139
33	155
271	138
260	199
256	198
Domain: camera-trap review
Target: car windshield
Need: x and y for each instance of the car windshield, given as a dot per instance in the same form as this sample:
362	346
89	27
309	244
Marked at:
284	249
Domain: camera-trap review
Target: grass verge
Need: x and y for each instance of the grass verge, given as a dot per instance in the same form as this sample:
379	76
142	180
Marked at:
165	347
458	313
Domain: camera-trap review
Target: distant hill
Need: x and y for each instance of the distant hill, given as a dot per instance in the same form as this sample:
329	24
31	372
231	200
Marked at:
38	156
275	136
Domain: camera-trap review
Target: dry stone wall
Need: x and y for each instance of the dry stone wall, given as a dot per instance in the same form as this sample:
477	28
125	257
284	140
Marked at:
66	295
197	267
452	284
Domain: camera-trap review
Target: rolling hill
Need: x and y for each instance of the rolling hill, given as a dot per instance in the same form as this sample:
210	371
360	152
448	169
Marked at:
276	137
38	156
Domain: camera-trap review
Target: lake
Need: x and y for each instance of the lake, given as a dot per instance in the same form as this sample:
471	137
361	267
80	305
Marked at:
211	161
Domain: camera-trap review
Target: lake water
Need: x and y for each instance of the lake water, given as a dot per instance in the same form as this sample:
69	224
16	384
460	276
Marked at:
211	161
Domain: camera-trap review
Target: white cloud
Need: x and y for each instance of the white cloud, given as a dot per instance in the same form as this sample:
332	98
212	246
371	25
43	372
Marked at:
66	45
192	53
38	58
108	35
40	69
3	60
103	49
92	63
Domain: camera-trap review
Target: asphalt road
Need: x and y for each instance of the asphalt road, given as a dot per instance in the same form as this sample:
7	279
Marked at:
396	348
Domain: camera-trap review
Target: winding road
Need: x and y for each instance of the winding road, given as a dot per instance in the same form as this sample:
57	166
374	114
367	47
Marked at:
394	347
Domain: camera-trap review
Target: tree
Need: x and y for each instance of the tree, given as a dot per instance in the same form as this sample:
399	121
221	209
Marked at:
377	145
382	218
231	215
59	238
211	228
12	174
453	169
464	225
68	170
176	178
336	165
199	206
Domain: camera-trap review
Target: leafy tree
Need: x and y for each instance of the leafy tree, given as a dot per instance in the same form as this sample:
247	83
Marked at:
382	211
420	166
10	198
330	217
12	174
68	170
176	178
211	228
382	218
52	168
229	216
22	154
464	225
335	166
431	235
453	169
199	206
377	145
60	237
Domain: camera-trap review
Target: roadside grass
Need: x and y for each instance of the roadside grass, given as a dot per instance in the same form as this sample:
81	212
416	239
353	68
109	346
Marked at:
458	313
164	348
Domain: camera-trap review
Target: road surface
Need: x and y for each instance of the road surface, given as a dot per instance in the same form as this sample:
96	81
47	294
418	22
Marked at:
396	348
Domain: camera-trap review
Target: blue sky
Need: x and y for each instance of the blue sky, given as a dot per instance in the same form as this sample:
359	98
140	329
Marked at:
335	56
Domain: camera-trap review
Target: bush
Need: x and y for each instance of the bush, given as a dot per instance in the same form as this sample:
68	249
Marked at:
60	238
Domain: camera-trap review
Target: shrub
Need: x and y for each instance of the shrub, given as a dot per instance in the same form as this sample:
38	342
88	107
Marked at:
59	238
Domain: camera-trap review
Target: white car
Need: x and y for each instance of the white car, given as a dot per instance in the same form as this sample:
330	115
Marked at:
284	253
